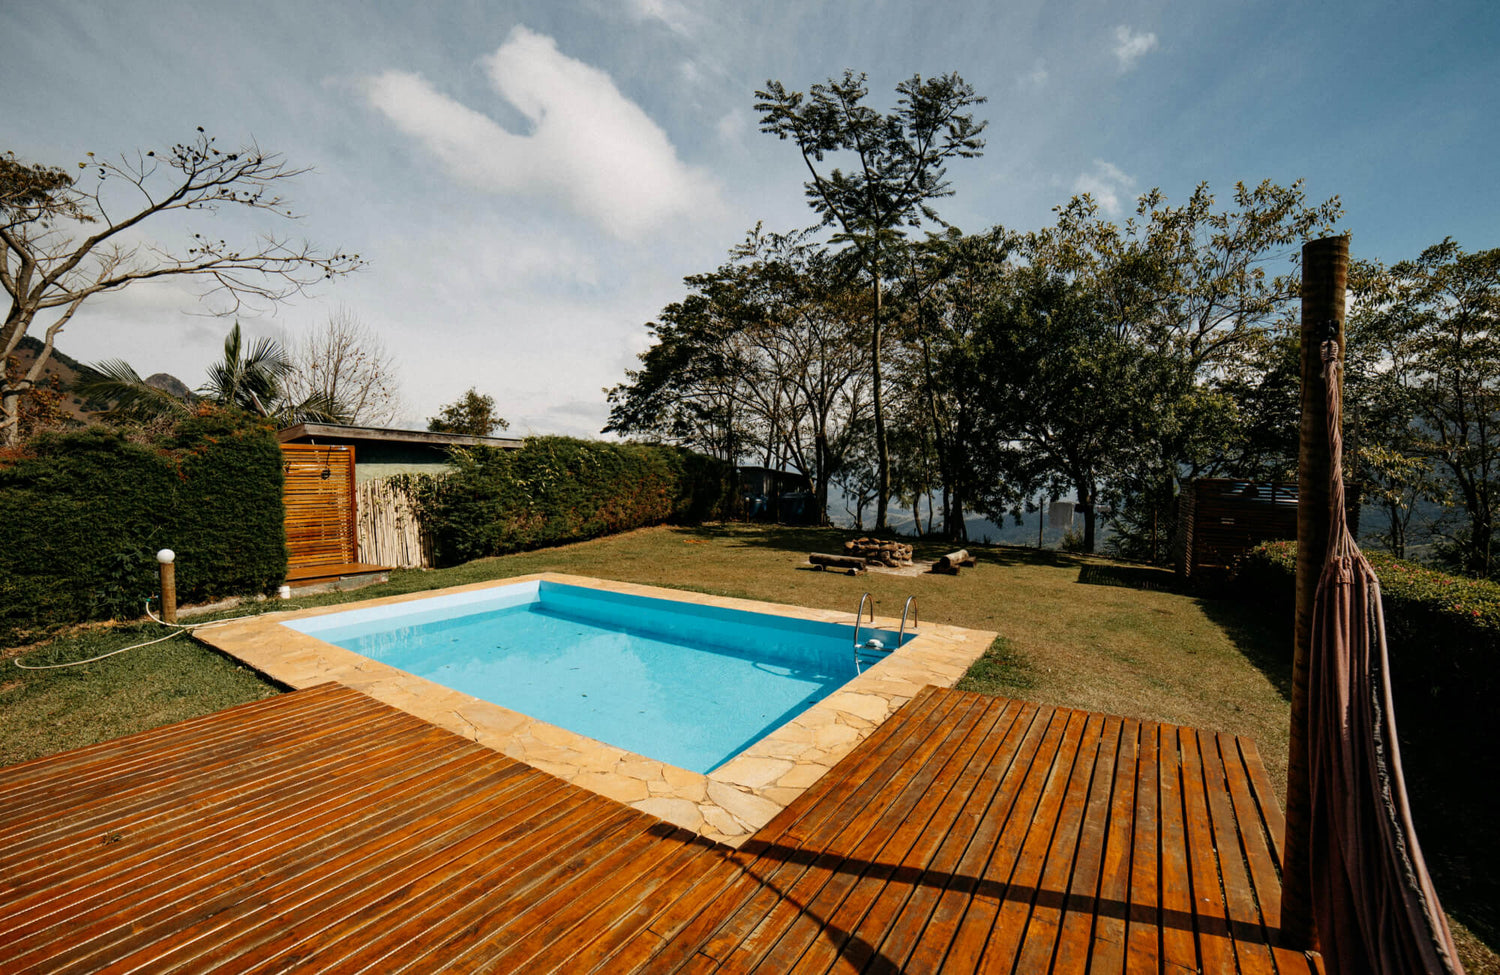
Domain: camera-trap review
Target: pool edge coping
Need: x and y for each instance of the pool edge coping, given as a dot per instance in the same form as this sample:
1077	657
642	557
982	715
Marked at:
727	805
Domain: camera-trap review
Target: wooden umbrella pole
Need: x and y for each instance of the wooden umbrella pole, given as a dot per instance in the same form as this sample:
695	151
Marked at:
1325	273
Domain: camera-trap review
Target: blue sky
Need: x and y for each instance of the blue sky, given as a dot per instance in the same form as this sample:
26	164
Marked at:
530	181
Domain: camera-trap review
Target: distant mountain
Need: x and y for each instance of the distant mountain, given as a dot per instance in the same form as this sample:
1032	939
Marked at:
69	372
168	383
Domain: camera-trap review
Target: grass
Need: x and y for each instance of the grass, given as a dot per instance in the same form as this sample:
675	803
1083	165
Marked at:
1076	631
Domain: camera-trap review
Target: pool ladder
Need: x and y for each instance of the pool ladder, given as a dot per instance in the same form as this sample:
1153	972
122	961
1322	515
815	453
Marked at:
873	644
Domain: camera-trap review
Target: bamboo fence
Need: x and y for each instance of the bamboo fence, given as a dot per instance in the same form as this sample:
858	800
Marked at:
389	532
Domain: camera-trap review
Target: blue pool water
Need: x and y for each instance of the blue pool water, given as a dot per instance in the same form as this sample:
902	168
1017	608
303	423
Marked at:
687	684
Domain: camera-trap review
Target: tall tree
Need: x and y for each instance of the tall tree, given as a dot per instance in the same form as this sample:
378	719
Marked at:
344	362
473	414
62	242
898	167
947	285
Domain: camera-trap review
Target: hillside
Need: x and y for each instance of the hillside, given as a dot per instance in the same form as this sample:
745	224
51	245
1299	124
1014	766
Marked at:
68	372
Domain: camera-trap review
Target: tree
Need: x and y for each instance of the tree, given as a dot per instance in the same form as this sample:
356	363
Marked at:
249	380
899	169
472	414
1192	284
1441	313
62	243
1079	412
948	283
346	364
763	355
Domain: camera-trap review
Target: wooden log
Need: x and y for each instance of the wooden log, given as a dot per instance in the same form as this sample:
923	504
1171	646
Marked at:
837	561
955	559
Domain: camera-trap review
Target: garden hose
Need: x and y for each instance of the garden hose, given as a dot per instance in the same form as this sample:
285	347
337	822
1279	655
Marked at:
181	628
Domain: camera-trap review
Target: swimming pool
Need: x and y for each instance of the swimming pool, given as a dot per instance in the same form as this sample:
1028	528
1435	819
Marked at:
726	805
688	684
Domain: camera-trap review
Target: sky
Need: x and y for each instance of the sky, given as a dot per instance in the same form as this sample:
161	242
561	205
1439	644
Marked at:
529	182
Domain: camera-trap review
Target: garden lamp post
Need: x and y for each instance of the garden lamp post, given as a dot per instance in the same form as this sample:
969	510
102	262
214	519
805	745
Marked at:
167	559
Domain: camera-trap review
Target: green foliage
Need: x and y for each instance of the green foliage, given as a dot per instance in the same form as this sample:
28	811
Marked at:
473	414
85	513
556	490
1443	630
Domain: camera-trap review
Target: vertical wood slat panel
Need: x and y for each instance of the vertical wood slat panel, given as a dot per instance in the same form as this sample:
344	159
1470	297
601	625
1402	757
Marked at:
320	511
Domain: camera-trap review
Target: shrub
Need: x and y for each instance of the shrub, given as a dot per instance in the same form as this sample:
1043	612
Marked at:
1442	630
557	489
84	514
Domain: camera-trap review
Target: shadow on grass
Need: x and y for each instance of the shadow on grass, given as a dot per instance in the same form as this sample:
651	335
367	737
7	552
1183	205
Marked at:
1264	638
1129	577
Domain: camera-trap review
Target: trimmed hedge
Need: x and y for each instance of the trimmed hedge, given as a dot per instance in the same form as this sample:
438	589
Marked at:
556	490
1442	631
84	514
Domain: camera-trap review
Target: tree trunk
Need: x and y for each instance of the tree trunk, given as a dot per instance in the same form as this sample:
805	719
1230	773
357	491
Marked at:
1325	268
1086	493
882	447
10	418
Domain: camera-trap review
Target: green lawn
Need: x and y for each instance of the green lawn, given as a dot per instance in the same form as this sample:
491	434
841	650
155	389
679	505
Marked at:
1076	631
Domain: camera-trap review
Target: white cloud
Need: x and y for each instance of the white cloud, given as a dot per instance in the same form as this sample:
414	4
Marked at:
676	16
590	146
732	127
1036	77
1105	182
1130	46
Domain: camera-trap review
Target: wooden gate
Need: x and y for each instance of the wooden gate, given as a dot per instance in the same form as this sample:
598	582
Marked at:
319	494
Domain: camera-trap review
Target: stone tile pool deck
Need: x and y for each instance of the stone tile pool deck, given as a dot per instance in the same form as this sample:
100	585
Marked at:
726	805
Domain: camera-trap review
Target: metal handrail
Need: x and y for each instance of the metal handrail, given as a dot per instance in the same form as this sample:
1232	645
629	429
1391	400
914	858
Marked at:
858	616
910	605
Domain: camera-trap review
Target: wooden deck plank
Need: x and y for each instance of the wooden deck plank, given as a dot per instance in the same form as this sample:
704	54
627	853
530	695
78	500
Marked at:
344	905
955	866
975	927
143	843
972	873
1107	953
1005	941
222	887
189	861
1082	908
779	864
1143	929
153	753
324	831
1179	946
137	796
1245	927
1215	949
877	898
1039	944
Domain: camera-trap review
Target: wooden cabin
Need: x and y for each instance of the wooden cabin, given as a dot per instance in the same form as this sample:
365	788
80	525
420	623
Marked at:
1220	519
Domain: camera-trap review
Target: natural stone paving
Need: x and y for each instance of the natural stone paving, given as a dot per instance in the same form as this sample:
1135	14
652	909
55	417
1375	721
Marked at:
726	805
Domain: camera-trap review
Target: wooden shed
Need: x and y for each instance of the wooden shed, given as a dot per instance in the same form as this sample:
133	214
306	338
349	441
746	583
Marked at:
1219	519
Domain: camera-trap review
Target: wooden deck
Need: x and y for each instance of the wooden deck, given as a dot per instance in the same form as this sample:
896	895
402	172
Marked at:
323	831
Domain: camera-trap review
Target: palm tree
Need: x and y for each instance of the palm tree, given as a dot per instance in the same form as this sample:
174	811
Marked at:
250	381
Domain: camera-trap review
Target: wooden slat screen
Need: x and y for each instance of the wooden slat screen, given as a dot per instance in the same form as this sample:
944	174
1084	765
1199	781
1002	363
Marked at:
1226	518
320	523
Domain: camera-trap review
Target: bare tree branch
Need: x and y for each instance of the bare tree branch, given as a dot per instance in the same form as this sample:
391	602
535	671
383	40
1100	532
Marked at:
62	243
